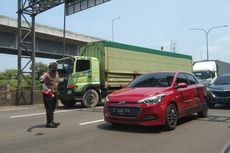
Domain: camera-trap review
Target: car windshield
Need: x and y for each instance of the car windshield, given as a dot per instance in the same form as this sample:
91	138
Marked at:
153	80
222	80
202	75
65	66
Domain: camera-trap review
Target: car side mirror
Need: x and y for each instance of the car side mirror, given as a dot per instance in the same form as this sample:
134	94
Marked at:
182	85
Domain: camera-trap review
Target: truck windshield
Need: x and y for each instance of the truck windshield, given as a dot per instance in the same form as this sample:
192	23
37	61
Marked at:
153	80
202	75
65	67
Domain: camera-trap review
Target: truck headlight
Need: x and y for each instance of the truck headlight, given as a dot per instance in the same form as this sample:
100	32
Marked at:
153	99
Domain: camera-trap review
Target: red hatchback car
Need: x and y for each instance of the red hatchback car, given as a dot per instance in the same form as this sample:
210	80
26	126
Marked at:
157	99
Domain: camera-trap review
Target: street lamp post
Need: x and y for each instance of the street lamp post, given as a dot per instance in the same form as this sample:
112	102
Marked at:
206	34
113	27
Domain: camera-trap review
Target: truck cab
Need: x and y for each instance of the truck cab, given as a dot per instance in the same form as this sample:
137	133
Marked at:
79	81
205	71
204	77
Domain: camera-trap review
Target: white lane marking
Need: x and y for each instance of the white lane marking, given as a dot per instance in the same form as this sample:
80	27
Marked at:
226	148
91	122
36	114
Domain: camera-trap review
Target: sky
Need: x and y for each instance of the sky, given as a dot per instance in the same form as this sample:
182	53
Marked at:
147	23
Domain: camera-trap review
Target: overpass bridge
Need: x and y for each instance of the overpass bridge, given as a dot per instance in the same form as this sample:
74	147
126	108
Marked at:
49	40
49	44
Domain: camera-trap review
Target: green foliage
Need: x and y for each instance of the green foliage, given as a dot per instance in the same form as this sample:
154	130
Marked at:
2	76
9	77
40	68
13	84
8	74
11	73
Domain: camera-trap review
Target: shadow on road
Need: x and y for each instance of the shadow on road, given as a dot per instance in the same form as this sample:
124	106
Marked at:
186	119
81	108
35	127
216	118
76	106
130	128
142	129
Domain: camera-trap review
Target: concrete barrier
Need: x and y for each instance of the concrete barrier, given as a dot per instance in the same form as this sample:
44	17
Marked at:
5	95
8	98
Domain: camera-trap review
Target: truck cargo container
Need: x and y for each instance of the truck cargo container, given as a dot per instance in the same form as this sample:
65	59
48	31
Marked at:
107	66
207	71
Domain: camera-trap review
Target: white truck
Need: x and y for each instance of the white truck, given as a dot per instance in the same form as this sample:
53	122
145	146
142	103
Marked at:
207	71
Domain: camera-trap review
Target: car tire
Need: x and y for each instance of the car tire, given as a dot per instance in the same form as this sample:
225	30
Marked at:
90	98
171	117
204	110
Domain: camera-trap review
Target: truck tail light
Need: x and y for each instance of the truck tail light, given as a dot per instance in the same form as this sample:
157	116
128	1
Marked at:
71	86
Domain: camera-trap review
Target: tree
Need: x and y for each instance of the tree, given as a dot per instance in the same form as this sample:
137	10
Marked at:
40	68
2	76
10	74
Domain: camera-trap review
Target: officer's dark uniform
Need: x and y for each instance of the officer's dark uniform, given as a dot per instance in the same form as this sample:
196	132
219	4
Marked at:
50	80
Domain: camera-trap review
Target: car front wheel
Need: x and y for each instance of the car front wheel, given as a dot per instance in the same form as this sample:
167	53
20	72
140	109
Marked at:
171	117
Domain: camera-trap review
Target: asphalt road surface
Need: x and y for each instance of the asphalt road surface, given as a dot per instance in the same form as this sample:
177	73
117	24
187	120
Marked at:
22	130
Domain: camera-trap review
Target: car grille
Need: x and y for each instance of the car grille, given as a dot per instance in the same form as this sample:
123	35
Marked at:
124	111
221	93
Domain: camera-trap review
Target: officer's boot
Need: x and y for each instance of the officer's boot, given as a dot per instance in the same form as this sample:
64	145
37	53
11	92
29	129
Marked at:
49	116
52	120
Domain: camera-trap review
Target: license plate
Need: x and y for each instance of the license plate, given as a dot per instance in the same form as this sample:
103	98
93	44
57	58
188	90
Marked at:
127	110
120	110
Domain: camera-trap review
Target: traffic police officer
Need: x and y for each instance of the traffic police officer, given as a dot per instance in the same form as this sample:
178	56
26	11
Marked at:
50	80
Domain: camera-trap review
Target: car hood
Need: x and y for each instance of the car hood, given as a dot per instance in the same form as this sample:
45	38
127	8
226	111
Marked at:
220	87
134	94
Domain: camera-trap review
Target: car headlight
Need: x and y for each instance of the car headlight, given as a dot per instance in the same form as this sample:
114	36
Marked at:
153	99
105	100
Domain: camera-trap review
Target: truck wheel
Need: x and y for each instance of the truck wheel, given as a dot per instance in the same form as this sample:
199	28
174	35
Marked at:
90	98
204	110
68	103
171	117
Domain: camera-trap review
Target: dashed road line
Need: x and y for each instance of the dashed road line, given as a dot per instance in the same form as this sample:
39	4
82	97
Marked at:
43	113
36	114
91	122
12	109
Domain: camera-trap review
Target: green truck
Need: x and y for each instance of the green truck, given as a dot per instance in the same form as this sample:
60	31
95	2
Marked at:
107	66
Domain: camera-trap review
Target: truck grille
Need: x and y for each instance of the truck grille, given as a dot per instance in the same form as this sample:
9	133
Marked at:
124	111
221	93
